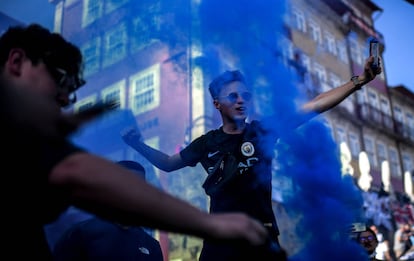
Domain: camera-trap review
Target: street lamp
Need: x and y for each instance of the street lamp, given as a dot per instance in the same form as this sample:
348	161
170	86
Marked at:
346	159
365	179
385	175
408	184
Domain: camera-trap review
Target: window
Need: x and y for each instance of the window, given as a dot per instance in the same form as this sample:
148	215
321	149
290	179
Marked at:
91	55
115	42
373	99
360	96
330	43
342	52
320	72
355	50
306	61
115	93
381	152
385	106
369	149
92	10
145	90
386	112
299	20
144	31
334	80
287	49
394	163
68	3
85	103
410	125
407	162
112	5
341	135
315	31
355	146
398	114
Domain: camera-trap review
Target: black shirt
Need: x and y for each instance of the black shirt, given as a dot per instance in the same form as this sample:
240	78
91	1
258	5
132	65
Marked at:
249	187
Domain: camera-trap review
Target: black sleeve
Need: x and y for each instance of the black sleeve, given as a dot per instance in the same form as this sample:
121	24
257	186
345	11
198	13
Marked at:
193	153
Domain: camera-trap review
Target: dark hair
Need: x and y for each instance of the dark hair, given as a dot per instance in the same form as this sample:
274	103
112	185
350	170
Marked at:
40	45
227	77
134	166
367	229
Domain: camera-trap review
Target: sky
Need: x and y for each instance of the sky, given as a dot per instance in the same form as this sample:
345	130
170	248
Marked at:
394	23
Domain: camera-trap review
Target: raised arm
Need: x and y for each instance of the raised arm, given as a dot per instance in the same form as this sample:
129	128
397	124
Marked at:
331	98
108	190
133	138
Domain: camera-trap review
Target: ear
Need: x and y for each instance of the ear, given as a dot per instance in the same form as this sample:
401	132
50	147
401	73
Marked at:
15	61
217	105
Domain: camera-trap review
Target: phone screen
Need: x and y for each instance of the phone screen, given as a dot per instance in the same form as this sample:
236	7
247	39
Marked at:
374	51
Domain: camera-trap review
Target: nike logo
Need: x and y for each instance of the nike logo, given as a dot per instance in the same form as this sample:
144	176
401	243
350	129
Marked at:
211	154
144	250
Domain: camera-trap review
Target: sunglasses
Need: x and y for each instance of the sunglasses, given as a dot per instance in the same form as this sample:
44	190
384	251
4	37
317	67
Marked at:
66	83
366	239
233	96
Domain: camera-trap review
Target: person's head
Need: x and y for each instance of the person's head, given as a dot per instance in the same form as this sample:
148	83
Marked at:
230	95
133	166
406	227
33	57
368	240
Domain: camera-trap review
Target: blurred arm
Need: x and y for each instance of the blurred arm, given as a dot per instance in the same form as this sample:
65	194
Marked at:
113	192
132	137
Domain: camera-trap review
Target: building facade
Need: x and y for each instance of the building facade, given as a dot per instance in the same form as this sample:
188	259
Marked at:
152	59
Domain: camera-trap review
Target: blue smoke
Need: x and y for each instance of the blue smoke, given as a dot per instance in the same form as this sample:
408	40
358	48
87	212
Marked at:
244	35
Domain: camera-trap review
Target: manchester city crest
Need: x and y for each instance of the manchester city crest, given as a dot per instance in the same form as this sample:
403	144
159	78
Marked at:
247	149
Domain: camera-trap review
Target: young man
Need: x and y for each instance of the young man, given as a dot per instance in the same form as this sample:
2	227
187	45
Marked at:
234	157
43	173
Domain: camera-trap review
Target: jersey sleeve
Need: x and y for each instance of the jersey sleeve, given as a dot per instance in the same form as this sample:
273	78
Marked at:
193	153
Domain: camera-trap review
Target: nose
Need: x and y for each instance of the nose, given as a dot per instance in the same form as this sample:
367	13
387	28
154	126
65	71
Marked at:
63	99
241	100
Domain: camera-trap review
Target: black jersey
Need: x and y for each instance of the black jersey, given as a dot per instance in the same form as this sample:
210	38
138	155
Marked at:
239	171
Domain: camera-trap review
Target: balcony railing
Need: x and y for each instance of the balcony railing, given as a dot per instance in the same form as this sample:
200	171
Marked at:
404	131
371	115
375	117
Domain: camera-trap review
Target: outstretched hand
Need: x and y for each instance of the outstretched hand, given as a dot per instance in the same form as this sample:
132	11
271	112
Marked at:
369	72
131	135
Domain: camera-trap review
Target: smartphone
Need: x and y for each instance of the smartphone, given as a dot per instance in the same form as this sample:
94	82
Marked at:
358	227
374	51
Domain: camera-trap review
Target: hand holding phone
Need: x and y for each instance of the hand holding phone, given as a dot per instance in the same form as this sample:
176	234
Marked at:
358	227
374	51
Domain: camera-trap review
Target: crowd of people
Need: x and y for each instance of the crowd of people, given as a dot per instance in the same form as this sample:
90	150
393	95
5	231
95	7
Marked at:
40	73
381	248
